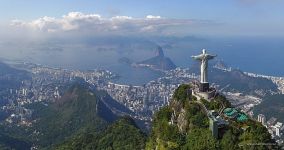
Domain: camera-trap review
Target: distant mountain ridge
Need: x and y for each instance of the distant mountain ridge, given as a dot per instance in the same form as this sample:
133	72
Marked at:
78	109
11	78
81	109
159	62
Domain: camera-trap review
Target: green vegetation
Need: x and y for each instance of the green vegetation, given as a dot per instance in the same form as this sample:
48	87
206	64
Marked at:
79	118
256	133
8	142
123	134
168	136
229	140
74	122
200	139
164	135
217	103
181	93
14	137
184	125
196	116
75	111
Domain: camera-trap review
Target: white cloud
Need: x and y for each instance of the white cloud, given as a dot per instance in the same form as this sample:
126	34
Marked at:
97	25
153	17
121	18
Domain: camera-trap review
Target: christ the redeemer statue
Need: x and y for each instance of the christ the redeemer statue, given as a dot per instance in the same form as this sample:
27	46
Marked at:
204	57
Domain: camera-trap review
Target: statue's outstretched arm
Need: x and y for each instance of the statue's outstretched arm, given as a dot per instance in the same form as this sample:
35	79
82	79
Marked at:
211	56
198	57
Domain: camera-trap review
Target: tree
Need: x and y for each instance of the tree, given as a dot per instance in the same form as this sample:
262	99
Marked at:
200	139
229	141
181	93
255	134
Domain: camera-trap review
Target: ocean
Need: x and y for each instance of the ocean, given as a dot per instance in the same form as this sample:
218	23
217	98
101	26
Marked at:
256	55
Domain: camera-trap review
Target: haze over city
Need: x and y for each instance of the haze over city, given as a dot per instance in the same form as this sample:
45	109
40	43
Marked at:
34	30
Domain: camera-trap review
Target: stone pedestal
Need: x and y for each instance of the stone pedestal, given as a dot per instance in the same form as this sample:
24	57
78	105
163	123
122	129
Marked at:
204	87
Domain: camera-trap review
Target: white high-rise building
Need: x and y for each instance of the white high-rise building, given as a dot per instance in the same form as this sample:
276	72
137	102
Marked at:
277	131
278	127
261	118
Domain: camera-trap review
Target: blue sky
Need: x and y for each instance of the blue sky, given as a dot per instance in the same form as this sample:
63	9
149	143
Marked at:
259	17
205	9
32	29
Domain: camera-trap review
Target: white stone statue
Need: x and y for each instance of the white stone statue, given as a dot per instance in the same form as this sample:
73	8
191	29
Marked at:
204	57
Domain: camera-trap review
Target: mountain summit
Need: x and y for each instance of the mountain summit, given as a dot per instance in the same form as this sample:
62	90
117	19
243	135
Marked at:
159	62
159	52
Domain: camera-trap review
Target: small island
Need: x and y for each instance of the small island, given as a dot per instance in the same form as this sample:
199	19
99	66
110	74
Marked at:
159	62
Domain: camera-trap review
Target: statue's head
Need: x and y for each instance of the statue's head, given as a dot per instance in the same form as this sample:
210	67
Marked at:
204	51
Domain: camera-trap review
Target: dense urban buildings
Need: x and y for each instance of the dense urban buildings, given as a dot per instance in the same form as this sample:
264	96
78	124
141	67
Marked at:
47	85
261	118
274	127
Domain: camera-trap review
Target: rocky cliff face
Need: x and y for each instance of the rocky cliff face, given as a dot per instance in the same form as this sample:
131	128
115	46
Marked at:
182	122
179	115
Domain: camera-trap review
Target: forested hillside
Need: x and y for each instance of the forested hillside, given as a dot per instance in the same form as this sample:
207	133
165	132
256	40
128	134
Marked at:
184	125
